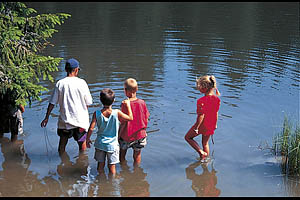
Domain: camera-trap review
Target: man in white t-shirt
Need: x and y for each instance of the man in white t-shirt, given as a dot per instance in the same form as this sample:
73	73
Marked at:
73	96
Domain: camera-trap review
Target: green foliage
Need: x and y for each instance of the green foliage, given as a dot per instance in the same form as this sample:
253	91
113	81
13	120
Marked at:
281	140
287	144
23	36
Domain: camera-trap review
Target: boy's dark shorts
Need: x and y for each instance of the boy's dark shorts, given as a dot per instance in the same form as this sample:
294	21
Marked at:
137	145
79	134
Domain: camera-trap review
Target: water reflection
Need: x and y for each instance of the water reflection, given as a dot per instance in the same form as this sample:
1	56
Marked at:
14	179
292	185
141	40
204	185
70	175
107	186
253	53
133	183
126	183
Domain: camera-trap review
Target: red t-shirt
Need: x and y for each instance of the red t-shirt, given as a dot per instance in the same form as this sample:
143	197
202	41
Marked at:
135	129
209	106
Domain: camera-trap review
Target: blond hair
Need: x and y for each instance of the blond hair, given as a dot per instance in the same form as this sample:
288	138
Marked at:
131	85
208	82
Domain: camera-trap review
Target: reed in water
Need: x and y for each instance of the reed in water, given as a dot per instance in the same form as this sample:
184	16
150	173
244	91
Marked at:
287	144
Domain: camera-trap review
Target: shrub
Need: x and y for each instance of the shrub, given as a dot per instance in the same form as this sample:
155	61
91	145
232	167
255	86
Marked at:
23	36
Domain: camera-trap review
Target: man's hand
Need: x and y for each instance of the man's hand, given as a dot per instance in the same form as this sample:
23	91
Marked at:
44	122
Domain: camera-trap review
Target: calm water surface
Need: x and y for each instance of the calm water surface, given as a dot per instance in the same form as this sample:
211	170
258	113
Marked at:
251	48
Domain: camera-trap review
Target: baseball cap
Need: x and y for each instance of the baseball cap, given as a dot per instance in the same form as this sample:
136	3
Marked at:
72	63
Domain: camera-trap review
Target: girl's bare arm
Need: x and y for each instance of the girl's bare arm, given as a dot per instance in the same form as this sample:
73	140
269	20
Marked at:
217	119
199	121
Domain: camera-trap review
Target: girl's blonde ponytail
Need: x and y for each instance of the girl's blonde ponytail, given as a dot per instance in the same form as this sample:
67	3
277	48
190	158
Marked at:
213	80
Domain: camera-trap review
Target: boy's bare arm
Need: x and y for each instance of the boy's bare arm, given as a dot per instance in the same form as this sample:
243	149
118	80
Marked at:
124	116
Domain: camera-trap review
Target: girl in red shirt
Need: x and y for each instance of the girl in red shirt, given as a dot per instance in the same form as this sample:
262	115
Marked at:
207	114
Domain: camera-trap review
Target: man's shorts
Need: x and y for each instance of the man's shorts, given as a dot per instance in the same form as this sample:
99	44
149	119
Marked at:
79	134
112	158
137	145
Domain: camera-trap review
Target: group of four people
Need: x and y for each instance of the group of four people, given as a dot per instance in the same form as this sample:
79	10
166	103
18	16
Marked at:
118	130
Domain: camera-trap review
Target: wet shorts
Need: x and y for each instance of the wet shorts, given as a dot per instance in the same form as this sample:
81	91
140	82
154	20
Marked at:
137	145
112	158
79	134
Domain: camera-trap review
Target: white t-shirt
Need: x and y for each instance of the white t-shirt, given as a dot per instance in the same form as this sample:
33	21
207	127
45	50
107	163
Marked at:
73	96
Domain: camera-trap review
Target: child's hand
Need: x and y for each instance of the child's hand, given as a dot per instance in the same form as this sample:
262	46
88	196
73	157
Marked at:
126	101
88	143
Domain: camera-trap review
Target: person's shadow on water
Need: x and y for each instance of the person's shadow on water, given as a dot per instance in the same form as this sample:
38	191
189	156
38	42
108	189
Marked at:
204	185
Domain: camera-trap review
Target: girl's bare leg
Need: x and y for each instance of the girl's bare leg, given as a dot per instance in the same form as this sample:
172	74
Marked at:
189	138
205	144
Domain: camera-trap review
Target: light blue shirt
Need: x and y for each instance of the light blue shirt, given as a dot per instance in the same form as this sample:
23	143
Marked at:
107	135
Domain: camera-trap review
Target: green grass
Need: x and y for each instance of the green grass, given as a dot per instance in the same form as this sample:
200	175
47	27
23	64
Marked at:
287	144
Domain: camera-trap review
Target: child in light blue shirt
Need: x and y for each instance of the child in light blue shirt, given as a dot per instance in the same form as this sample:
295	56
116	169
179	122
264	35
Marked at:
107	121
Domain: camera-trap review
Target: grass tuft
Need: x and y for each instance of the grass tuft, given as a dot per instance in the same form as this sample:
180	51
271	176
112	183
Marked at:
287	144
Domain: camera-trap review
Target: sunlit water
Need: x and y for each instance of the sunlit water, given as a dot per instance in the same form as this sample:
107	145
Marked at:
251	48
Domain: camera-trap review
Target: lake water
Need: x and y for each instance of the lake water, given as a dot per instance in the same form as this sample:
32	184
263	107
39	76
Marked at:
251	48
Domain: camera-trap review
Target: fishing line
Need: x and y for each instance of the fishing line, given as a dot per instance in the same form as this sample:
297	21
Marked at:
151	131
47	141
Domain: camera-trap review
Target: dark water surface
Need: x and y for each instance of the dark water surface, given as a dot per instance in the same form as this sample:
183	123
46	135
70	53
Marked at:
251	48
